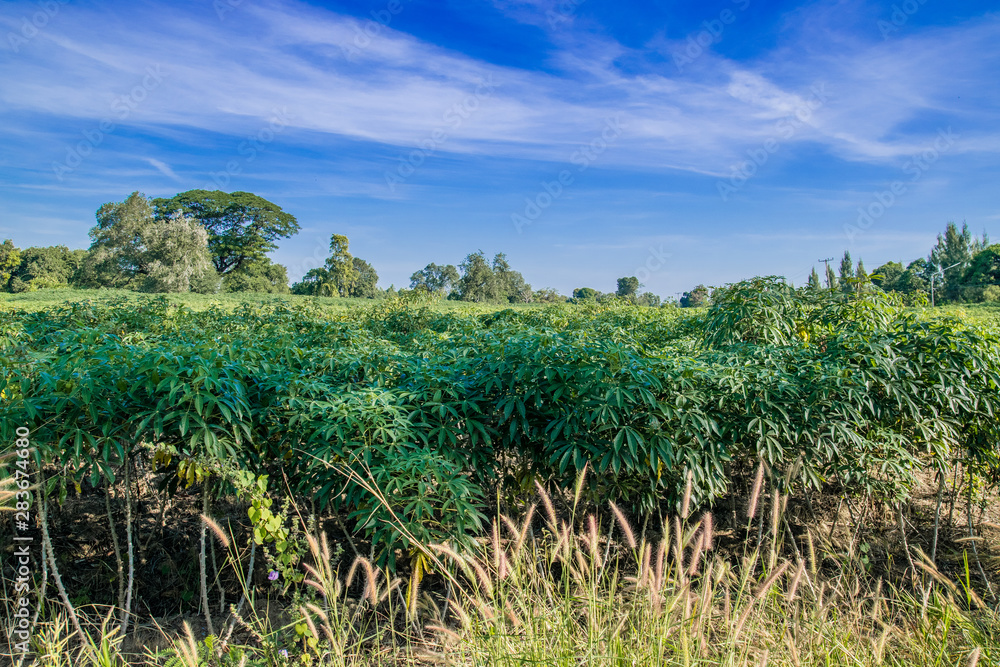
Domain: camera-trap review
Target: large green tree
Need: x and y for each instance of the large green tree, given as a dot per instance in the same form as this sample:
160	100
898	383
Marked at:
696	298
584	293
242	227
342	274
366	281
627	286
477	282
813	283
132	249
510	284
10	259
50	266
260	276
953	248
846	271
887	276
435	279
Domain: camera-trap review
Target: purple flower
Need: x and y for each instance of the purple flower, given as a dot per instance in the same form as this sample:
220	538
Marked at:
272	575
283	652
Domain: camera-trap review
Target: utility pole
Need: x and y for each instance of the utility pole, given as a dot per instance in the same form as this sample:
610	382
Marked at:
827	262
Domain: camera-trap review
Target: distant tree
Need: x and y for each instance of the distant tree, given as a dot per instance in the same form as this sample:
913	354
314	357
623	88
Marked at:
340	265
10	260
478	283
50	266
581	293
242	227
982	276
887	276
831	277
954	247
341	275
861	276
435	279
846	272
510	284
316	282
915	278
648	299
366	283
131	249
696	298
627	286
813	283
547	295
260	276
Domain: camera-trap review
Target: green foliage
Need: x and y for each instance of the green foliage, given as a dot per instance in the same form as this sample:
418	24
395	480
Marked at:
984	269
242	227
954	247
342	275
133	250
52	266
409	419
259	276
10	260
696	298
482	282
627	286
366	283
435	279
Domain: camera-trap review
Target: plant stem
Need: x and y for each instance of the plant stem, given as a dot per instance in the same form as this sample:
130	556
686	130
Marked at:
202	561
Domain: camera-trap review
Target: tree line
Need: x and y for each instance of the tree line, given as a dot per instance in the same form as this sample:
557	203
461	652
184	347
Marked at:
960	268
211	241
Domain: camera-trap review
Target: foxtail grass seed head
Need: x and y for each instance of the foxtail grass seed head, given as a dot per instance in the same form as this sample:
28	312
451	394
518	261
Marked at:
495	538
795	581
216	530
696	553
709	537
766	586
592	537
661	552
626	528
974	657
549	509
579	484
525	527
758	484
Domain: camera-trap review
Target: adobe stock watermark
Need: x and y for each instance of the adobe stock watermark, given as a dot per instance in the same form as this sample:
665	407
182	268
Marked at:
452	119
250	148
122	107
784	129
563	13
711	33
582	158
33	24
656	260
901	13
371	28
915	168
321	251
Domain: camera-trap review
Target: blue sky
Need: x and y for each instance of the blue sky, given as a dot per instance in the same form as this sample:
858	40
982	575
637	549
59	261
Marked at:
681	142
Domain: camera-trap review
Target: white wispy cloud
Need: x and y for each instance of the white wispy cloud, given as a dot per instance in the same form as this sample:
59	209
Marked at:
392	88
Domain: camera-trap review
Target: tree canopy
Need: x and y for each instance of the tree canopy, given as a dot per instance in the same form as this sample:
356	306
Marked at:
242	227
131	249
